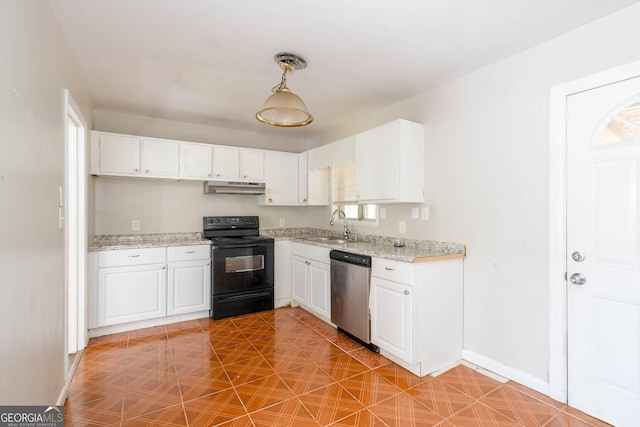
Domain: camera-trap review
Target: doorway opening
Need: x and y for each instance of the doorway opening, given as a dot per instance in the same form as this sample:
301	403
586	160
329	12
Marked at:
73	205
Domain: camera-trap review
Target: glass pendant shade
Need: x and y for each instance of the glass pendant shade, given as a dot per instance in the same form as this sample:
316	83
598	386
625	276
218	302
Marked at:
284	108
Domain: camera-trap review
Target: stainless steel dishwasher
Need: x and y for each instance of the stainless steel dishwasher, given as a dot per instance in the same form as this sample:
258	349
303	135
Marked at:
350	283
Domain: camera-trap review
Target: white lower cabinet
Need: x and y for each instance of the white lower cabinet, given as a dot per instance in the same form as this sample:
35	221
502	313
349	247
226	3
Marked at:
134	285
392	322
311	279
189	282
127	294
416	313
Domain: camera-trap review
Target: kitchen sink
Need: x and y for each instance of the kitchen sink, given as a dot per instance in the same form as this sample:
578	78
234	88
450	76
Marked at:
324	239
317	239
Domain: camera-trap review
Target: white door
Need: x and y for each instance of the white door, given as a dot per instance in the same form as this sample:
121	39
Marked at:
603	250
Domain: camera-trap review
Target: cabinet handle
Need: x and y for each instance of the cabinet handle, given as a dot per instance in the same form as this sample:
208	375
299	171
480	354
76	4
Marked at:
388	268
136	170
406	292
133	256
147	171
190	252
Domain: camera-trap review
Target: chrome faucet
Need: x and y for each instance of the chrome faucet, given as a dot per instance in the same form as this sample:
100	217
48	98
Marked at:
345	232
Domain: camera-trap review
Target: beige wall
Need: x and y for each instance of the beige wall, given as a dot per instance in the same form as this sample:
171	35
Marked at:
174	207
487	179
35	67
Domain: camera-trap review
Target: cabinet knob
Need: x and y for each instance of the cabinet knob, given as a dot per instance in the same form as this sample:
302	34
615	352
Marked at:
136	170
164	267
270	200
147	171
209	174
217	174
307	262
304	200
406	292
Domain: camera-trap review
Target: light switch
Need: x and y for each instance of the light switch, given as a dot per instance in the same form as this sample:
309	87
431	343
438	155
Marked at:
414	213
281	222
135	225
402	227
425	213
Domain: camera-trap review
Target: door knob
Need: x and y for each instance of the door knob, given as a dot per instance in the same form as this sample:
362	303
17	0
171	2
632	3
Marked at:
578	279
577	256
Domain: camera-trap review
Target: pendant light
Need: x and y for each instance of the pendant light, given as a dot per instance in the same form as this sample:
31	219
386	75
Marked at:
284	108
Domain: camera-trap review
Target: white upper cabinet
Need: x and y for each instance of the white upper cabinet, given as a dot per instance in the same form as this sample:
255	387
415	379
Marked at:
281	179
195	161
390	163
232	163
160	158
125	155
115	154
252	166
225	162
313	185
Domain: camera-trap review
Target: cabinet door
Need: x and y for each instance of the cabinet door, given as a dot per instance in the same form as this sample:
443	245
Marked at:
299	279
196	161
119	154
303	179
377	163
391	307
127	294
252	165
281	177
320	288
160	158
189	287
225	162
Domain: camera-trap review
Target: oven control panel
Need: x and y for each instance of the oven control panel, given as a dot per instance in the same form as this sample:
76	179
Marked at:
229	222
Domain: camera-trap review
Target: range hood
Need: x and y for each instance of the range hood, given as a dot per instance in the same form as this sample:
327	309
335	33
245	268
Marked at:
233	187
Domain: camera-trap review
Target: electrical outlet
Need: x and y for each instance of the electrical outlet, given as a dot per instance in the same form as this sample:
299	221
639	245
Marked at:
425	213
383	213
281	222
135	225
402	227
414	213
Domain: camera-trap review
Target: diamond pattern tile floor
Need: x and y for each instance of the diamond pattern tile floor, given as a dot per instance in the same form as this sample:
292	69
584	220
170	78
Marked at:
284	368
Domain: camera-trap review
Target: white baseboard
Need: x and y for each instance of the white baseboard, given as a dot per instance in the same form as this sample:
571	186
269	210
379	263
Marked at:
506	371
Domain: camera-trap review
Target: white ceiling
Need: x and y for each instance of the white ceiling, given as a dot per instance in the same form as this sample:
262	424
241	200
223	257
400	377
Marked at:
211	61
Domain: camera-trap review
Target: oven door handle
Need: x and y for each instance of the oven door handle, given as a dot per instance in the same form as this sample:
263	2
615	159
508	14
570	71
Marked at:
237	247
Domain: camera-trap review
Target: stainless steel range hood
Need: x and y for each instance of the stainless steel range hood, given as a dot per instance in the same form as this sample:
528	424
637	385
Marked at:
233	187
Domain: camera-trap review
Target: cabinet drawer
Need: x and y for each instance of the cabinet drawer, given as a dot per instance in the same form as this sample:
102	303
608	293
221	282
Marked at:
126	257
188	253
394	271
316	253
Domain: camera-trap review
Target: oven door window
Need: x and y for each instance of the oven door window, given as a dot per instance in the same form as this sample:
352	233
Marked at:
242	264
240	268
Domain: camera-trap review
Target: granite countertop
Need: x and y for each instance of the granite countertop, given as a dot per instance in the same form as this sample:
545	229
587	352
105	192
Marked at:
113	242
371	245
376	246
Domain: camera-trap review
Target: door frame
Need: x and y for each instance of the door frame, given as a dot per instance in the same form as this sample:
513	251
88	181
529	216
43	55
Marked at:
558	351
76	230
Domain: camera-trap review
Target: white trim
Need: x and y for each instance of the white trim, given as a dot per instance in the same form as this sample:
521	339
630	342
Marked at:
557	218
506	371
